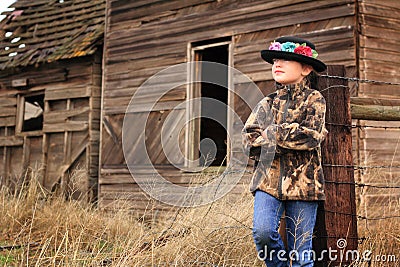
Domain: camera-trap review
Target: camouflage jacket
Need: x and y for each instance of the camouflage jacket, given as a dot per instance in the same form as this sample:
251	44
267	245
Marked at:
288	162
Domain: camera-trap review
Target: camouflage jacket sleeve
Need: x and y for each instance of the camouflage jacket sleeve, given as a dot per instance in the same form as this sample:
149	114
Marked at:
256	123
308	134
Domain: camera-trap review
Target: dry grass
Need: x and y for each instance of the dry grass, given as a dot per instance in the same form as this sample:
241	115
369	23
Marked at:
383	240
38	229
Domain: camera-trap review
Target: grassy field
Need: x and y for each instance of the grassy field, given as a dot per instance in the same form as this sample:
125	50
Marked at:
38	229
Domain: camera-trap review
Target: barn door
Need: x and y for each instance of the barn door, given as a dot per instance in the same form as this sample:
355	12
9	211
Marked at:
208	116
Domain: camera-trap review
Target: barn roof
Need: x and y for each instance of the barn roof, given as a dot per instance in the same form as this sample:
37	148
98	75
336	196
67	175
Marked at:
39	31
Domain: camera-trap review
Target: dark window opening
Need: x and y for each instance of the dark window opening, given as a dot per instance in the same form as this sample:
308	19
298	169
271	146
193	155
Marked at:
214	116
33	113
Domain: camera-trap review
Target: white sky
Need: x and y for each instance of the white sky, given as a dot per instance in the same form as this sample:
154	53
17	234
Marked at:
4	4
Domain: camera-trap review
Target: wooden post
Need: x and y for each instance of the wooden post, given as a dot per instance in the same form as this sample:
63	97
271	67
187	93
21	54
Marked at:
336	227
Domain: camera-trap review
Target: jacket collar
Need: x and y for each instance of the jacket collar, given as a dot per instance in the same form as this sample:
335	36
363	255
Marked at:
292	89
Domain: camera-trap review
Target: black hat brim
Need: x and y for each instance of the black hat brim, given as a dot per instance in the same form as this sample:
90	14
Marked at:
270	55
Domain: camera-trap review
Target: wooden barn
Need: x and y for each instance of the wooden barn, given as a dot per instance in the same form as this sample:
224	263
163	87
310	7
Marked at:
51	64
50	92
145	37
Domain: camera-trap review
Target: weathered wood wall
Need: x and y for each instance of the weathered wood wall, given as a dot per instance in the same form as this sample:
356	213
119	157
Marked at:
144	37
67	146
378	60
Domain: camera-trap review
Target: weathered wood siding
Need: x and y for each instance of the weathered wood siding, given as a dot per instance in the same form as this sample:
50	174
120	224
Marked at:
379	60
144	37
67	146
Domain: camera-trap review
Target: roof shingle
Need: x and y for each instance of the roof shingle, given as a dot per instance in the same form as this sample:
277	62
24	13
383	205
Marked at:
49	30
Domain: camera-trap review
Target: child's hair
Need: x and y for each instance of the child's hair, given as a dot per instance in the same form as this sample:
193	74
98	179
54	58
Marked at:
312	80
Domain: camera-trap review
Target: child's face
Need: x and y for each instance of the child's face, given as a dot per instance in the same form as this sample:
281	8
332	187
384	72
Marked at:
289	72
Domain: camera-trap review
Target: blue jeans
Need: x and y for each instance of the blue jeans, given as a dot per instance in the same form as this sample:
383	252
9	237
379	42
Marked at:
300	219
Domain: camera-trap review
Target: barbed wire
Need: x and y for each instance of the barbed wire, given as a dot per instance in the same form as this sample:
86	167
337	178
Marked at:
358	167
360	217
361	126
354	79
365	185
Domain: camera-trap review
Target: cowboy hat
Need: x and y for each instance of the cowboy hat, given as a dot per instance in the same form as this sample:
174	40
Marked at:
293	48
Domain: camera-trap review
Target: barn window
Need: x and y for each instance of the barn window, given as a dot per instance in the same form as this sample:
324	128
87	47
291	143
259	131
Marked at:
208	146
31	113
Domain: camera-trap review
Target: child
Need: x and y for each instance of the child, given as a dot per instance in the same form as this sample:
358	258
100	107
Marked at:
283	135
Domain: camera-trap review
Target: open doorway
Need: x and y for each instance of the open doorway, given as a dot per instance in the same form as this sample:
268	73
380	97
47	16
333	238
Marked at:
212	125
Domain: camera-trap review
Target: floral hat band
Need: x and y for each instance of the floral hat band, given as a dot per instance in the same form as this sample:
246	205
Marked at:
301	49
293	48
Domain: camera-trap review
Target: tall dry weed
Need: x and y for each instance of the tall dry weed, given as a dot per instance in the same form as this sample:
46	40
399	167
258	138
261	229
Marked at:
43	229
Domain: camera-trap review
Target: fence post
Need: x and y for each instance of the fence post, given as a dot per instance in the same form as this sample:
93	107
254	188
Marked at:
336	226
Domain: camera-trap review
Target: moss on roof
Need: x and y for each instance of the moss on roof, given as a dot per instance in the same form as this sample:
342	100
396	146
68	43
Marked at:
39	31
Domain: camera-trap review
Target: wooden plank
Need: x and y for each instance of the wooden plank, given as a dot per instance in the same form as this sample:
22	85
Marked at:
173	131
150	94
63	177
66	126
15	164
111	147
7	121
379	9
63	115
161	106
377	75
261	19
379	21
377	32
144	102
144	68
8	101
109	129
125	11
54	156
8	111
388	3
26	152
35	151
379	91
67	92
11	140
45	149
375	43
386	135
38	76
383	56
5	160
70	159
201	26
170	46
